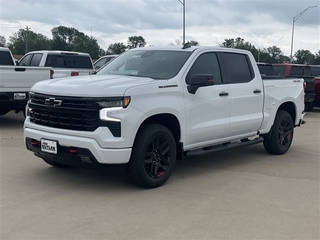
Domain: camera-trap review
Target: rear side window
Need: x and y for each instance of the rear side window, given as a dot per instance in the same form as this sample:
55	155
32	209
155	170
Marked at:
66	61
238	67
315	70
35	61
279	70
6	58
296	70
266	69
301	70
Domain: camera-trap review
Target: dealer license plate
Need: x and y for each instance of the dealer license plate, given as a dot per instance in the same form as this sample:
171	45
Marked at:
19	96
49	146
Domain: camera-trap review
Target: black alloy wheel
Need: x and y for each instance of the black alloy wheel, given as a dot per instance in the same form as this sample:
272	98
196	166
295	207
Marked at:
153	156
279	139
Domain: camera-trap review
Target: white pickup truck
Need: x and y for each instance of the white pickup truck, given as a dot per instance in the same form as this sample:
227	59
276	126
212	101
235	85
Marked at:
15	82
64	63
151	106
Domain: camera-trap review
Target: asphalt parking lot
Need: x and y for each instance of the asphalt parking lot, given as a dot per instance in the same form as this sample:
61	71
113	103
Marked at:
240	194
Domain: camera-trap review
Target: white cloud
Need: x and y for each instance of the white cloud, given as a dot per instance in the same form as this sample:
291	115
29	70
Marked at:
260	22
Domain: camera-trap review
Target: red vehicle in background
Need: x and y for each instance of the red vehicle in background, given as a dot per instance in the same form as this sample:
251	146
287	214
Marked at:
302	71
316	102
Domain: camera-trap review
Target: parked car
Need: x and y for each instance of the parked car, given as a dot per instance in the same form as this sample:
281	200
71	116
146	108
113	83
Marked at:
266	69
16	81
151	106
64	63
302	71
315	70
103	60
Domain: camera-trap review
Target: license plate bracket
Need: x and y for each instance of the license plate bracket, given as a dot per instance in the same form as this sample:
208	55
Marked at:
19	96
49	146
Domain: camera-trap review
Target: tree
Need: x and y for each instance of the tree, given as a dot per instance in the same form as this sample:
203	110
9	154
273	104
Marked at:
228	43
136	41
25	41
316	59
63	38
3	41
303	56
276	55
117	48
193	43
178	42
84	43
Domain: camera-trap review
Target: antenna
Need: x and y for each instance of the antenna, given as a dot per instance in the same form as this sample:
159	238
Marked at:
186	45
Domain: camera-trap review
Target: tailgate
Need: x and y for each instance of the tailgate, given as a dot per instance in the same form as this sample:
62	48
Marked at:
18	77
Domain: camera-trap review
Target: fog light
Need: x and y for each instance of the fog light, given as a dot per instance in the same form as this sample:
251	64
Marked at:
85	159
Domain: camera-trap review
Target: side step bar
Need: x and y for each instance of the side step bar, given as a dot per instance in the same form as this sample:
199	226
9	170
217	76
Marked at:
221	147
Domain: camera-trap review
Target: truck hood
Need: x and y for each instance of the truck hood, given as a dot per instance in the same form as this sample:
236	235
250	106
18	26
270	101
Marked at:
90	85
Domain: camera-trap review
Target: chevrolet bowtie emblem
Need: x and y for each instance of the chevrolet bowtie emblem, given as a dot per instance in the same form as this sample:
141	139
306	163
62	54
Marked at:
52	102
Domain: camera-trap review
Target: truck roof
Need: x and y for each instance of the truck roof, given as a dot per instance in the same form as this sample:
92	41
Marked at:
60	52
190	48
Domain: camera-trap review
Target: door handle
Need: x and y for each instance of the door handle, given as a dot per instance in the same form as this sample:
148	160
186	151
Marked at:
257	91
222	94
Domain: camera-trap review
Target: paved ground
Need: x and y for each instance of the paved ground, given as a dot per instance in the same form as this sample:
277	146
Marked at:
240	194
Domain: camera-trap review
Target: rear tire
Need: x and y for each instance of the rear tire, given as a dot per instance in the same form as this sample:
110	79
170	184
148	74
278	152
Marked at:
279	139
153	156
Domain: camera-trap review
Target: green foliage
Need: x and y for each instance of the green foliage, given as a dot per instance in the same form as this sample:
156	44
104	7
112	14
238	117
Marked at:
193	43
3	41
117	48
316	59
63	38
136	41
25	41
303	57
70	39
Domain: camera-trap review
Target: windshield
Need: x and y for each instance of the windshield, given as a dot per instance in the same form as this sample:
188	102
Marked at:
156	64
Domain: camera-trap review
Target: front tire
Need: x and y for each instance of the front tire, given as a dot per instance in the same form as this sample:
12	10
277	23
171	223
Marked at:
279	139
153	156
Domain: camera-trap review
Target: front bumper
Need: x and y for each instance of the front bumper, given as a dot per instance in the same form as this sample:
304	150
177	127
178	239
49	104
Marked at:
74	150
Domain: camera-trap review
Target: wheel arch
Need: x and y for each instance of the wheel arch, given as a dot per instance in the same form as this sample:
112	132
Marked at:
290	108
172	123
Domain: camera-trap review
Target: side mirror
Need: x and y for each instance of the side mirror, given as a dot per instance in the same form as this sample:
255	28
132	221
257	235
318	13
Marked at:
200	80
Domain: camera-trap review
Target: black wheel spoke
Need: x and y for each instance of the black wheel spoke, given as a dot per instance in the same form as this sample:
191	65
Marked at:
153	156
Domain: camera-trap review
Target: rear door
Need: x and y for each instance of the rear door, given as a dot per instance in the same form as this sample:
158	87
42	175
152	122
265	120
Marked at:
246	93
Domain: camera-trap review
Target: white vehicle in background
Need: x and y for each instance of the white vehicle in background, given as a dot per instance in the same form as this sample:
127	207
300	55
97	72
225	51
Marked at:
64	63
103	60
16	81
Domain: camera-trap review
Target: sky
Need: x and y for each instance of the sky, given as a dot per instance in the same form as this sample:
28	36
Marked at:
263	23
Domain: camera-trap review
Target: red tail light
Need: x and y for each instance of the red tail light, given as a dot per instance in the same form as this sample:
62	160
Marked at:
73	74
51	73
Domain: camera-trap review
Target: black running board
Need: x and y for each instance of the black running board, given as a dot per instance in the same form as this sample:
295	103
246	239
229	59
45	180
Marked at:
221	147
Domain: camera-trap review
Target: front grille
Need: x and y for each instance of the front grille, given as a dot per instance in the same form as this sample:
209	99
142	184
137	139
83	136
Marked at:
71	113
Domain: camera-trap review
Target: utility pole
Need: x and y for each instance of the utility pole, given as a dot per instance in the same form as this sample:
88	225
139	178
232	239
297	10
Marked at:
293	21
27	36
183	2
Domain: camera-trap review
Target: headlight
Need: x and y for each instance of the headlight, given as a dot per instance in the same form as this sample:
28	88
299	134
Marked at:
111	106
115	103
